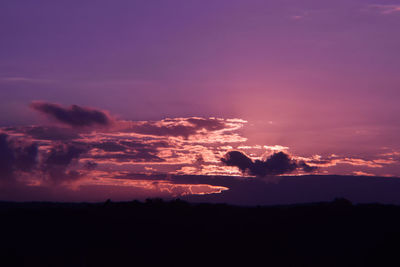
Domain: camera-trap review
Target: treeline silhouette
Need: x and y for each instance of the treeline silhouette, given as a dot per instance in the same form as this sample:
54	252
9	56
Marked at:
177	233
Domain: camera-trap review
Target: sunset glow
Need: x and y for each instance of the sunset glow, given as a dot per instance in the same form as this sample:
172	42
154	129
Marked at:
137	95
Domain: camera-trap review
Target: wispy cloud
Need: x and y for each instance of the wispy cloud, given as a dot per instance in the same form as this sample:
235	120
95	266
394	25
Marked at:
21	79
386	9
361	173
300	14
297	17
334	160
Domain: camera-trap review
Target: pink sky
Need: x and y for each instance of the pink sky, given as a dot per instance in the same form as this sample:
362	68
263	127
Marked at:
320	78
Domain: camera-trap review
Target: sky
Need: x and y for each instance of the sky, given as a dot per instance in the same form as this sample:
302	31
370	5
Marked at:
152	98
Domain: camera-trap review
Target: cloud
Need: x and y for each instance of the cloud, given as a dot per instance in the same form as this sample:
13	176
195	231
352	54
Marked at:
74	116
19	79
124	151
167	185
19	160
110	146
90	165
26	157
386	9
7	159
15	157
361	173
278	163
140	155
301	15
276	148
238	159
335	160
56	164
306	167
207	124
183	127
51	133
43	133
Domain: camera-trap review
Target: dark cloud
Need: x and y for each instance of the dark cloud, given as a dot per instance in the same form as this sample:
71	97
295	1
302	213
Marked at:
147	155
139	155
135	144
58	160
16	156
74	115
238	159
130	151
48	133
306	167
7	159
51	133
19	157
63	154
26	157
110	146
90	165
276	164
139	176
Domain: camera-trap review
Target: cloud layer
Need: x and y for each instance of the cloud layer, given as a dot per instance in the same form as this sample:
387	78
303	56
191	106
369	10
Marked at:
169	157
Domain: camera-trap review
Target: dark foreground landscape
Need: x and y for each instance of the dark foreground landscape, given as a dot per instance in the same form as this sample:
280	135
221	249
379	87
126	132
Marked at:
176	233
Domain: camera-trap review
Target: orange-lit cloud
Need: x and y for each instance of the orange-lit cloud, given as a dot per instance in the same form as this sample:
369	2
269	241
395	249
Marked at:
77	155
361	173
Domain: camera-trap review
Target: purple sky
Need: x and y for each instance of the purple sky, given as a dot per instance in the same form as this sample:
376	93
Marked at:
318	77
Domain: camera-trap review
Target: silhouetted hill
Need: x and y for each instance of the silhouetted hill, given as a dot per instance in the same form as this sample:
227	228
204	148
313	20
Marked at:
176	233
302	189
